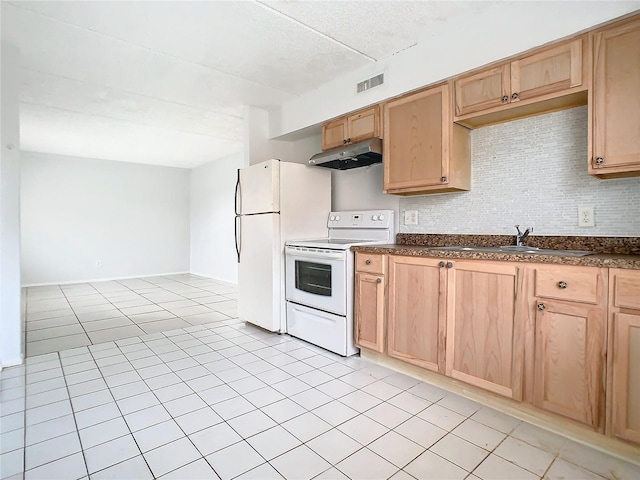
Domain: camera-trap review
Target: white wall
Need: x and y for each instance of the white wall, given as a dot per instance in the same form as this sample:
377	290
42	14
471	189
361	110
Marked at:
132	218
361	188
508	29
531	172
11	322
257	145
213	251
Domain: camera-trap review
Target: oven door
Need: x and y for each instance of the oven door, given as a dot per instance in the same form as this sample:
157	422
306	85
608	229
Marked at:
317	278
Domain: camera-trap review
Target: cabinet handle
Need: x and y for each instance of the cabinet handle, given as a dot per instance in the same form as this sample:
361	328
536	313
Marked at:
367	262
541	306
378	280
505	98
441	264
449	264
599	160
562	284
515	96
344	142
443	179
348	140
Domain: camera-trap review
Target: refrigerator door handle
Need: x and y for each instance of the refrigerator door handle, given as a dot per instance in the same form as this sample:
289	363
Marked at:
238	235
235	203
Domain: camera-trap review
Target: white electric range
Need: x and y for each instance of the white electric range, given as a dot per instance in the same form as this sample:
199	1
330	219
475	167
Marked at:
319	277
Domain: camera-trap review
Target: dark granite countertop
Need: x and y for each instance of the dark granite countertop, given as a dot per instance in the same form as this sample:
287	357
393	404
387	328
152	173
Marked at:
609	252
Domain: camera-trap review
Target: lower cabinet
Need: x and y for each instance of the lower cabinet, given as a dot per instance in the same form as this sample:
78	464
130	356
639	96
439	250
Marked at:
624	315
417	311
369	311
484	326
536	333
570	332
569	360
369	301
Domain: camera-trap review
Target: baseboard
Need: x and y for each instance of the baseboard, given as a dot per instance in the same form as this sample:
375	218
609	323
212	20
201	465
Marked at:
226	282
564	427
104	279
12	363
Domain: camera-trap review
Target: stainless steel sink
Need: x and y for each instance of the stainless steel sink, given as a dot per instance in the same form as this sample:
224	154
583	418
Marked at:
516	249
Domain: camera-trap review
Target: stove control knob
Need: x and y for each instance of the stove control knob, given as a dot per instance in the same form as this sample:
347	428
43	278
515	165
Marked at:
332	218
380	217
337	218
374	217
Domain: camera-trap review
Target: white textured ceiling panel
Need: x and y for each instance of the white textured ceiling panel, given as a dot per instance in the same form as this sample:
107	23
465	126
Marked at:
44	129
53	47
100	101
379	28
166	82
239	38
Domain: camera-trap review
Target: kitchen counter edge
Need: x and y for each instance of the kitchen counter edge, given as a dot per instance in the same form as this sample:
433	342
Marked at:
596	260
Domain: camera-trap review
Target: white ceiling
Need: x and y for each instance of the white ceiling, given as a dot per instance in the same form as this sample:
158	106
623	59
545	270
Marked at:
165	82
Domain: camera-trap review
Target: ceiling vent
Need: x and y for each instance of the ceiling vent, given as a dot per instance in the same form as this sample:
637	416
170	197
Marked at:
370	83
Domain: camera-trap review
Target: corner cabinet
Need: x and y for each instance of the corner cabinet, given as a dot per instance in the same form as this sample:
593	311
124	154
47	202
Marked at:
369	302
353	128
540	80
624	364
615	101
569	374
424	151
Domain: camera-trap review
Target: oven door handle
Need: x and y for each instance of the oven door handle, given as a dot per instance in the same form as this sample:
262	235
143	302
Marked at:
314	255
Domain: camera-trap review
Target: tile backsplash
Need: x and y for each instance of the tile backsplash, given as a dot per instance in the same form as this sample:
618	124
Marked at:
531	172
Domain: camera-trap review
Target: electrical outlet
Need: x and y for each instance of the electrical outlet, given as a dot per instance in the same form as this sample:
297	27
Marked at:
410	217
585	216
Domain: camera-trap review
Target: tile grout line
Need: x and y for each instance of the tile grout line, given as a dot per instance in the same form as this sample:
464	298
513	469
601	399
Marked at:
279	367
128	290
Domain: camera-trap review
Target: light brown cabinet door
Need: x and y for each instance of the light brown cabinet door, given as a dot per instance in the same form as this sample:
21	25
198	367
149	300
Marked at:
556	69
334	134
616	100
568	375
626	376
415	143
363	125
484	329
369	311
480	91
417	311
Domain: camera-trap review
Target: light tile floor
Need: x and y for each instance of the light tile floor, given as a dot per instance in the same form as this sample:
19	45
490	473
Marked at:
61	317
226	400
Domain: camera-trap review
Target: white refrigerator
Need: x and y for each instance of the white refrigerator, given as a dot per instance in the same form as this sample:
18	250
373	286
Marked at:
275	202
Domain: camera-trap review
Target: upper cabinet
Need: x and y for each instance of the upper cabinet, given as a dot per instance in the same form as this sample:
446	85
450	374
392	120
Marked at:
615	101
353	128
536	83
424	151
483	90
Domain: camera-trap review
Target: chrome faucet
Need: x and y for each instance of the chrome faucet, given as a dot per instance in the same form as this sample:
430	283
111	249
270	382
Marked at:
521	237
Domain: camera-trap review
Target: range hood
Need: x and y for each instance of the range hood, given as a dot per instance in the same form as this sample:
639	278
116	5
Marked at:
357	155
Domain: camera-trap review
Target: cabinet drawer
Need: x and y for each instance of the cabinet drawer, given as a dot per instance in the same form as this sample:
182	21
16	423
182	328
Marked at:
575	284
626	290
371	263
